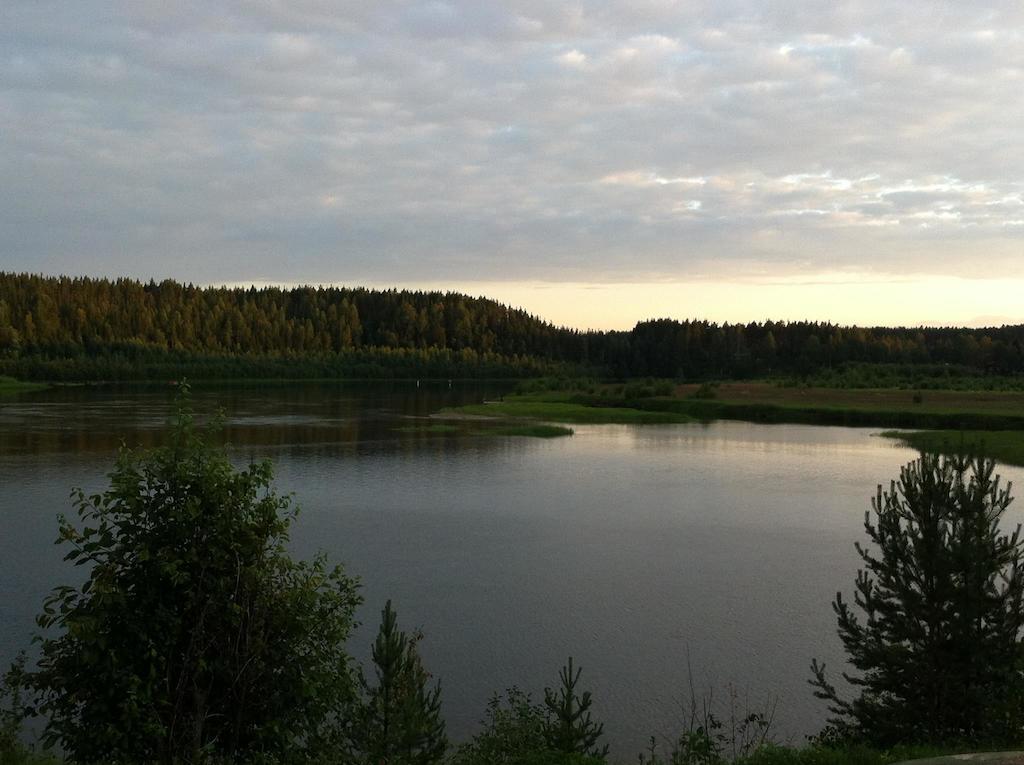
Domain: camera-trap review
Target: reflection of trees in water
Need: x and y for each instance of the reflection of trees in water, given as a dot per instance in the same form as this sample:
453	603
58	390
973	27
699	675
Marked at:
296	419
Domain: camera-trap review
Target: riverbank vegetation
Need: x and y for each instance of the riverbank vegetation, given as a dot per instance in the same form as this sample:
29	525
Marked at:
1004	445
10	385
992	421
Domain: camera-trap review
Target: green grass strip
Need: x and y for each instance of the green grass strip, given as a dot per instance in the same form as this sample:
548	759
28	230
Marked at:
1006	446
10	385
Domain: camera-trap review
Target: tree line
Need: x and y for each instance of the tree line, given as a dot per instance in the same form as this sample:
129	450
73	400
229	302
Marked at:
84	328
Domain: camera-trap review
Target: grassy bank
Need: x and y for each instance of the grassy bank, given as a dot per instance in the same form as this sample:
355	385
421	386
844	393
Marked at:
911	402
1004	445
521	407
10	385
765	402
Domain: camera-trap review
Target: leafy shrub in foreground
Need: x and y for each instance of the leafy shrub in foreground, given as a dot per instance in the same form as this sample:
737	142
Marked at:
195	635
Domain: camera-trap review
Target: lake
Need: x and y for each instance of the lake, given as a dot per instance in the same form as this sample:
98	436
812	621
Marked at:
652	554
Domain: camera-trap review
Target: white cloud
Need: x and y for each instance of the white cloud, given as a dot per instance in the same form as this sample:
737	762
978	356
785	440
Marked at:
574	59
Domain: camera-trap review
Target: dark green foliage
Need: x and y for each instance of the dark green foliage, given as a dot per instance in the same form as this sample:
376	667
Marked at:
60	328
514	733
195	635
98	329
1006	446
12	713
942	602
569	727
919	377
400	722
707	390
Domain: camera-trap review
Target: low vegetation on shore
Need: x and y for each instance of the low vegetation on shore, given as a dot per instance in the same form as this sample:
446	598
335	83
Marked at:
10	385
987	423
1007	446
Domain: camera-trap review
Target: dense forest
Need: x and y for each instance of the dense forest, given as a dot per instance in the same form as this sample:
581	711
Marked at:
88	329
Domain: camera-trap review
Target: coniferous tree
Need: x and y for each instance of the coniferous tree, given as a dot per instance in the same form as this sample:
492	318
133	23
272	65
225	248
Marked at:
401	720
570	728
942	601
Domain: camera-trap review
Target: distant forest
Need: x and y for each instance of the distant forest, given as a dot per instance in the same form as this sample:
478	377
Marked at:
62	328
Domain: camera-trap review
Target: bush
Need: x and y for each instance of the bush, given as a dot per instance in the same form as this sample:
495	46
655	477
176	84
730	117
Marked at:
707	390
195	635
512	734
942	597
517	731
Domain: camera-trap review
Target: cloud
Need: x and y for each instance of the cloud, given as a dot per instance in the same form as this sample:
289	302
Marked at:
526	140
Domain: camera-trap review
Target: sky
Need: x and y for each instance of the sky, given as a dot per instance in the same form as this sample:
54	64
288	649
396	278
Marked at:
596	163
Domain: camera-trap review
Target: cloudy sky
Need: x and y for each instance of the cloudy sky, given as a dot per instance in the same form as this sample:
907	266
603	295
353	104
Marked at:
596	162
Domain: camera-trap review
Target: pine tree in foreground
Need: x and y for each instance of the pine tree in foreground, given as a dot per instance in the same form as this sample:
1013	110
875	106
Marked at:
401	720
570	728
942	601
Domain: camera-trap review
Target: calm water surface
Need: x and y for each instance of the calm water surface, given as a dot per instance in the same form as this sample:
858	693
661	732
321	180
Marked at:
637	549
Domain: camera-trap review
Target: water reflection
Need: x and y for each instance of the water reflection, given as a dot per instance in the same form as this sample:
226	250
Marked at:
629	547
83	420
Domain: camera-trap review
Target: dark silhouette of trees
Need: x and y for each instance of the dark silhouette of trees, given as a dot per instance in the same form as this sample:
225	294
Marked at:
80	328
400	722
570	728
934	629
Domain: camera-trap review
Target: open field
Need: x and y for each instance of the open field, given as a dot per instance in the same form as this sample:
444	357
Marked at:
765	402
860	407
867	399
